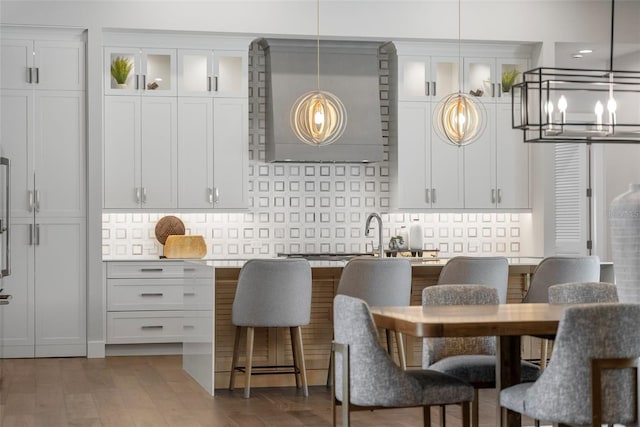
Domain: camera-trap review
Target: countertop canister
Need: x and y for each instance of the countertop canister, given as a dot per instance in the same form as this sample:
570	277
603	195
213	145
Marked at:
624	225
416	236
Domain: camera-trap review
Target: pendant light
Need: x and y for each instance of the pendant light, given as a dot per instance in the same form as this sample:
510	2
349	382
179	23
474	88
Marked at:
318	117
591	106
458	118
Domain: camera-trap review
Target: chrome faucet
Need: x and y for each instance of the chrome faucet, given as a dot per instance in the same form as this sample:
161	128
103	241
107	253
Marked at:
367	228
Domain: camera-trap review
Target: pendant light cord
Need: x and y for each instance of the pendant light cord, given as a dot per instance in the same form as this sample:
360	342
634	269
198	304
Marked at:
318	42
611	46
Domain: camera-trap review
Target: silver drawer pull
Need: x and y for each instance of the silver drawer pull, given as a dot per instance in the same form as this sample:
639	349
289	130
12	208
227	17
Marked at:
188	327
189	269
189	294
151	270
152	327
151	294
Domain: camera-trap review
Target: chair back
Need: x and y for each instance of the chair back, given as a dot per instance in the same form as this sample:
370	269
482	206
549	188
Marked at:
562	394
375	380
377	281
273	293
489	271
583	292
434	349
558	269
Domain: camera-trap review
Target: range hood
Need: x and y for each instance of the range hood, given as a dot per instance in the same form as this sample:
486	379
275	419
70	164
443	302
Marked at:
349	69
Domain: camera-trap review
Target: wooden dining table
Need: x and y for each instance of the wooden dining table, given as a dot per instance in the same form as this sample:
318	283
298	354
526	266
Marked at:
508	322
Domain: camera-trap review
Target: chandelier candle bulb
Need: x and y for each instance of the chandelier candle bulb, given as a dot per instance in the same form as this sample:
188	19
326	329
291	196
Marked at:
562	106
599	109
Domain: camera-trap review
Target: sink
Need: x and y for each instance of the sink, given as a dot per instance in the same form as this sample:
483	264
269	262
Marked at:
326	256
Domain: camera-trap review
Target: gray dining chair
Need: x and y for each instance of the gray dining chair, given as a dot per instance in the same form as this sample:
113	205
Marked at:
588	380
271	293
366	378
466	270
583	292
555	270
471	359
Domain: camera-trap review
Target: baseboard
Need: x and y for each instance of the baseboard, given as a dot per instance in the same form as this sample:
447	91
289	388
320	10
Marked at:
143	349
95	349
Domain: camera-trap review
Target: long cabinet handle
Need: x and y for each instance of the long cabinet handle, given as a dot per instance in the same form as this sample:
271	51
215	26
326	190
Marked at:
152	327
499	195
37	234
37	75
209	85
31	200
493	195
210	193
433	195
426	88
151	294
493	90
37	202
137	195
137	81
188	294
215	83
216	194
30	234
29	74
144	82
427	191
433	88
4	228
151	270
499	90
144	194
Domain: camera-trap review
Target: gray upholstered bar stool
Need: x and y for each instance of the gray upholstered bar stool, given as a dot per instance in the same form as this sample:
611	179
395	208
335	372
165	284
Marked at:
272	293
488	271
583	293
555	270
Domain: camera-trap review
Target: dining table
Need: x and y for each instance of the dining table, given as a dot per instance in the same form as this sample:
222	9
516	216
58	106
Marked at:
507	322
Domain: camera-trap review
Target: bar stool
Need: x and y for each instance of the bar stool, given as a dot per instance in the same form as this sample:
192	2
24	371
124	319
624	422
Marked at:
272	293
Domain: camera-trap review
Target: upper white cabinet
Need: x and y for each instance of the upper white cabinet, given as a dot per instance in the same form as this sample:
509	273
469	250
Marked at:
148	72
220	73
42	64
427	172
426	78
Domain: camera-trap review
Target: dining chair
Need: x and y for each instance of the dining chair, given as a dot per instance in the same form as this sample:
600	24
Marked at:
588	380
583	292
366	378
555	270
271	293
379	282
471	359
466	270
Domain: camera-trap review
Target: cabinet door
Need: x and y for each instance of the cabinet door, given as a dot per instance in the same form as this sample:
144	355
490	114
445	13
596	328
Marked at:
412	190
16	136
17	318
230	73
230	153
16	59
122	152
195	72
512	161
59	143
505	67
158	73
59	65
480	77
195	145
60	289
480	167
447	179
414	80
445	77
159	134
123	86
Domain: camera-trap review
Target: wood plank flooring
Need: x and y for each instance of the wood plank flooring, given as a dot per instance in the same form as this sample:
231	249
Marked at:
155	391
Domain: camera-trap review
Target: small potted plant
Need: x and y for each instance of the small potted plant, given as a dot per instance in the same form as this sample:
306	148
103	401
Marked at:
508	79
120	69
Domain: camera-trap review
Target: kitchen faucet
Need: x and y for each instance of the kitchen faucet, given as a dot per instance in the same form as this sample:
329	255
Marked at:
367	229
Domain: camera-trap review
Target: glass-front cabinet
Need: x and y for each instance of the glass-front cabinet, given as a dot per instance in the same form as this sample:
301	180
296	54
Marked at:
149	72
219	73
424	78
492	78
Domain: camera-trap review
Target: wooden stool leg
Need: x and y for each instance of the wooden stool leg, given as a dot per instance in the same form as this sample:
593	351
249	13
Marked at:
426	416
248	363
543	354
387	333
466	421
475	410
294	354
443	416
303	369
401	353
234	358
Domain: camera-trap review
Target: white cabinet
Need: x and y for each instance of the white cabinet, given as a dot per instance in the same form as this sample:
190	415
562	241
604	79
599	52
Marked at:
43	134
213	147
429	171
152	71
144	302
427	78
483	75
212	73
140	152
42	64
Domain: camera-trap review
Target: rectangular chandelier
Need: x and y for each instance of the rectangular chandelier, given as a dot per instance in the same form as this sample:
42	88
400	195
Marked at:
577	105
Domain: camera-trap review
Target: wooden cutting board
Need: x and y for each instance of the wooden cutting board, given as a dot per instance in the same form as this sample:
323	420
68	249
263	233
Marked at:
177	246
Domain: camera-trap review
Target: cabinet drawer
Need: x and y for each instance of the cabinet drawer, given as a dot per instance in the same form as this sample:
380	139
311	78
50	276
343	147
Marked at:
145	269
144	327
144	294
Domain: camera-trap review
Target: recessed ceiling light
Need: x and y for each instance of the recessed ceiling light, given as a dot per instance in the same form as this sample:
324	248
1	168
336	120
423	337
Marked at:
585	51
576	55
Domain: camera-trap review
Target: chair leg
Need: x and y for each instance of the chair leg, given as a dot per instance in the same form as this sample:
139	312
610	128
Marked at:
401	353
443	416
329	377
426	416
294	354
387	333
234	358
249	362
543	354
475	410
303	369
466	416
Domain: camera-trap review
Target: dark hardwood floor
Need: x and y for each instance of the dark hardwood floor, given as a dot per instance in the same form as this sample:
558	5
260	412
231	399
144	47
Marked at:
155	391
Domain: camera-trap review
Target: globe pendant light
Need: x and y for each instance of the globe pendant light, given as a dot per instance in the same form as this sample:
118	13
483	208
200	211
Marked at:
318	117
459	119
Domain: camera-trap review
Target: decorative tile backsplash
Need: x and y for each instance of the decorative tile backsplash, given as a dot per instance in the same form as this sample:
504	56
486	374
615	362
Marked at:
300	207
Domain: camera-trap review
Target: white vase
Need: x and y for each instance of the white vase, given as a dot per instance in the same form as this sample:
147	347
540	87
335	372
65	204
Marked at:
415	236
624	228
